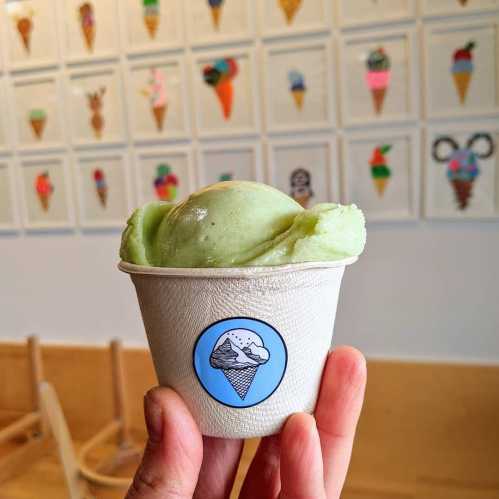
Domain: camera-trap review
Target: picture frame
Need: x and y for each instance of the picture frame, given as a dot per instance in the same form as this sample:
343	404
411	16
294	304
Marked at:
104	190
152	26
462	54
37	111
308	104
306	169
220	113
5	135
95	100
385	93
372	181
9	215
430	8
46	200
158	103
245	158
211	25
460	185
164	174
356	13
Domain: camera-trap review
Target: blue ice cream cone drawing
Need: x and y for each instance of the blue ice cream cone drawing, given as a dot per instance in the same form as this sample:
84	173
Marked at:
216	12
297	87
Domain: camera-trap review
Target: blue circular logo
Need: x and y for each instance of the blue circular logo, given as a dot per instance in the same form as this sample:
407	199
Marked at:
240	361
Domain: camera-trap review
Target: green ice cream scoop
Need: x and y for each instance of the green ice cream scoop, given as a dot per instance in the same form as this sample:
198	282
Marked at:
240	224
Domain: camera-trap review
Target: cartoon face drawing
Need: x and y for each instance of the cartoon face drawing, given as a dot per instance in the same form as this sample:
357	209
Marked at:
301	186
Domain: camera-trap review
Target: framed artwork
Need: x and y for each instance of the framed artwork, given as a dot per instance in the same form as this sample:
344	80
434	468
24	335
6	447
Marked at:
46	194
37	105
378	77
307	170
298	87
103	190
291	17
456	7
151	25
225	90
462	171
91	29
382	174
219	21
96	106
8	205
31	32
222	162
360	12
462	74
157	100
164	175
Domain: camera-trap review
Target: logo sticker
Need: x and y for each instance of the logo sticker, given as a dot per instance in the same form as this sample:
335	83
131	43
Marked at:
240	361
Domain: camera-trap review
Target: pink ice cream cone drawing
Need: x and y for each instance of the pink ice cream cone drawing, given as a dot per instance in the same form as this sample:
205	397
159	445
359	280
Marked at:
156	91
378	77
44	189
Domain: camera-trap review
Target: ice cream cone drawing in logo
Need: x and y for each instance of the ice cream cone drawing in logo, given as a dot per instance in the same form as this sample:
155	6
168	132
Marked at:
95	104
220	76
165	183
301	186
156	92
238	354
44	189
86	15
101	188
297	87
290	8
462	69
37	119
151	17
378	77
216	12
24	26
380	171
462	162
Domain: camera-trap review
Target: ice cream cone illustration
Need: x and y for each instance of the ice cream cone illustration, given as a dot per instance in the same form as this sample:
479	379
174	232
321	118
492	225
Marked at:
38	119
301	186
24	26
165	183
297	87
225	177
95	103
216	12
380	171
156	91
238	354
290	8
101	186
44	189
87	23
378	77
462	69
151	16
220	77
463	2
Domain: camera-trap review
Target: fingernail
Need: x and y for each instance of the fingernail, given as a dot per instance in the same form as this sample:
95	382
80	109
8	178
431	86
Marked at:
154	418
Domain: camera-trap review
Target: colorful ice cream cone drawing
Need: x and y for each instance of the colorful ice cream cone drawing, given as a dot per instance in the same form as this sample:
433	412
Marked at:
378	77
238	354
290	8
301	186
462	163
156	92
38	119
297	87
151	17
462	69
216	7
165	183
225	177
380	171
86	15
101	188
24	26
44	189
220	76
95	104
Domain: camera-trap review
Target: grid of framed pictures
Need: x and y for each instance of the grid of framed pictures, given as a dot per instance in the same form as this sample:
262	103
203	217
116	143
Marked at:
110	104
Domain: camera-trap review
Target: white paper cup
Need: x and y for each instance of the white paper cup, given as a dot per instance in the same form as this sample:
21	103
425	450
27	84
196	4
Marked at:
244	347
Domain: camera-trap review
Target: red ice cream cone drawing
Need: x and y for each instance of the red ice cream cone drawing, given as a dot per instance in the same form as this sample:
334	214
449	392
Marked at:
86	14
380	171
165	183
290	8
37	119
101	187
378	77
96	103
462	69
44	190
220	76
156	92
24	26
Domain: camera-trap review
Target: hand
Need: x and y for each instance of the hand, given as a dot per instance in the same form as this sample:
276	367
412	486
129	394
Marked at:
309	459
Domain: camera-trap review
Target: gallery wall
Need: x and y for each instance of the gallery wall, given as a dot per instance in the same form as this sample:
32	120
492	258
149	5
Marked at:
390	104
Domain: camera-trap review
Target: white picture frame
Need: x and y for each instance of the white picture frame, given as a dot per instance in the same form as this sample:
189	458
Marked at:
37	103
104	202
208	106
477	195
201	22
478	93
395	197
317	156
160	29
178	161
432	8
9	215
59	214
235	161
310	106
95	103
355	13
400	100
167	121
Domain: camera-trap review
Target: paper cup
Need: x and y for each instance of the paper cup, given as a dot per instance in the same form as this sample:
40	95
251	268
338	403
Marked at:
244	347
